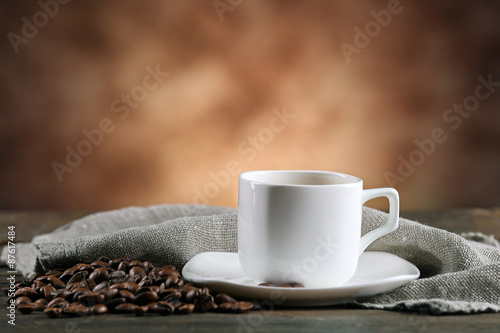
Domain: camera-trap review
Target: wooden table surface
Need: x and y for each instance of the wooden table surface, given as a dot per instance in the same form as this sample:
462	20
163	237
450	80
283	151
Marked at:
324	319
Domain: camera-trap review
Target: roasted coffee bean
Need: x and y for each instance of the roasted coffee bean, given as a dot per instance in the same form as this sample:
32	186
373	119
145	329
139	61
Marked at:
77	292
129	296
141	310
174	301
38	284
163	308
104	259
241	307
100	264
99	309
191	295
169	272
32	278
137	271
180	283
27	308
226	307
65	278
297	285
109	293
64	293
123	266
99	275
147	266
21	300
39	306
47	292
135	278
115	302
151	306
42	301
77	278
91	298
132	286
42	278
169	267
224	298
185	309
142	289
184	290
56	283
101	286
61	305
204	302
118	277
121	286
236	307
154	274
169	293
86	267
76	310
136	263
146	297
116	262
125	308
21	284
57	302
263	284
88	283
28	292
53	312
55	272
156	289
146	281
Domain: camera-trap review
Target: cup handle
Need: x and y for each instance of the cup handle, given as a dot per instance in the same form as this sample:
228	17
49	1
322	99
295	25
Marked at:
393	220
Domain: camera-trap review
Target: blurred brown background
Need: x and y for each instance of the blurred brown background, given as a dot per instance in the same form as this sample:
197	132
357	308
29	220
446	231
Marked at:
70	71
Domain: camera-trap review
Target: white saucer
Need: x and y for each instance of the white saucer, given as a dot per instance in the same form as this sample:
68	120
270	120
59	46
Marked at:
377	272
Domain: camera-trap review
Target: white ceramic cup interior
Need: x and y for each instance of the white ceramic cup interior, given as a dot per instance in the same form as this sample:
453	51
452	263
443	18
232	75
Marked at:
300	226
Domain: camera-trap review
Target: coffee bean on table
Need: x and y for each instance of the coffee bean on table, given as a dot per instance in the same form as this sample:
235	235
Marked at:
99	309
53	312
146	298
185	309
141	310
164	308
119	285
241	307
224	298
76	310
125	308
111	304
129	296
99	275
21	300
27	308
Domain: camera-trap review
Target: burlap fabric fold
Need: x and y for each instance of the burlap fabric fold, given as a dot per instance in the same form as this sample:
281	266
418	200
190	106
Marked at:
457	275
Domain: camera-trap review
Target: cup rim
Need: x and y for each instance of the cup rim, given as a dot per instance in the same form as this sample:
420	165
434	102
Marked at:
354	180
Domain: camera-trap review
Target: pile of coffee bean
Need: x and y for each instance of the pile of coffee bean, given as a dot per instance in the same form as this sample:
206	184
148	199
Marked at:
118	286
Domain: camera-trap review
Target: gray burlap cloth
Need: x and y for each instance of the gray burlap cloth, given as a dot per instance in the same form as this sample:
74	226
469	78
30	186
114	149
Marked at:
459	274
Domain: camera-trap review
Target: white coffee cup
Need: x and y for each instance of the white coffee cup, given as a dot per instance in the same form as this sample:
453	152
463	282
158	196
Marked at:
305	226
